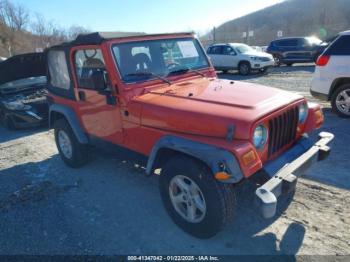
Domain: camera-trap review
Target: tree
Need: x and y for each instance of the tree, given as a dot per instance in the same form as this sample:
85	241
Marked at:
13	18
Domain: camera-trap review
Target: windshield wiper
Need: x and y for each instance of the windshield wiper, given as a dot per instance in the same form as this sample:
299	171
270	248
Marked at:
149	74
186	69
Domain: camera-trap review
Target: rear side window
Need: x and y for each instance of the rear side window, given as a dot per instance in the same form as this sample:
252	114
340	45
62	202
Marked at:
87	63
287	42
58	70
214	50
340	46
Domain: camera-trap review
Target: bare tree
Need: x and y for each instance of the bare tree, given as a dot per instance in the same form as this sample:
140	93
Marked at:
13	18
16	17
75	30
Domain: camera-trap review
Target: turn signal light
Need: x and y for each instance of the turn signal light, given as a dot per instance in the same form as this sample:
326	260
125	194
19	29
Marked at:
249	158
319	117
222	176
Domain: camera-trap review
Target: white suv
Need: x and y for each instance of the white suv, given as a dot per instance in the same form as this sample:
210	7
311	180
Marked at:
225	57
331	81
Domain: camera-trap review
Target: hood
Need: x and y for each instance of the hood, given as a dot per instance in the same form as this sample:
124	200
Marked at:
209	106
257	53
22	66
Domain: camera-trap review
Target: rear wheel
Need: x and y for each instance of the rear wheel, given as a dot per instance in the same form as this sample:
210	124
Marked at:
289	64
244	68
194	199
341	101
73	153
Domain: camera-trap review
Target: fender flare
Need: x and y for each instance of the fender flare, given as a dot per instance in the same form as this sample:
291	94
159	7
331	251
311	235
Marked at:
209	154
72	119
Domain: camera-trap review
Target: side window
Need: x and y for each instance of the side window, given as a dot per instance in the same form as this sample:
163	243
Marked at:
88	62
228	50
293	42
288	42
340	46
215	50
58	70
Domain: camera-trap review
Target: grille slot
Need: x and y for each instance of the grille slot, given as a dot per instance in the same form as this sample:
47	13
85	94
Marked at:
282	130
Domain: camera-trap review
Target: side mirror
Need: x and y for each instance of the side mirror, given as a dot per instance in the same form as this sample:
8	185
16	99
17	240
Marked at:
99	80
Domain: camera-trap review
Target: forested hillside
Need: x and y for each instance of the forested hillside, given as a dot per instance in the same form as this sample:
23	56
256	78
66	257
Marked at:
323	18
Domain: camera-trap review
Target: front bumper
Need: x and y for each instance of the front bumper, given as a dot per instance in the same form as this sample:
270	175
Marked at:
284	180
261	65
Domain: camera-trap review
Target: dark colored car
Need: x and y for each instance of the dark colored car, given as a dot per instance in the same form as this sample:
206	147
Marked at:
292	50
23	91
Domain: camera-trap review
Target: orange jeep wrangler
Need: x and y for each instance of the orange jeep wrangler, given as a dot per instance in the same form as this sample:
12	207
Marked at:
159	96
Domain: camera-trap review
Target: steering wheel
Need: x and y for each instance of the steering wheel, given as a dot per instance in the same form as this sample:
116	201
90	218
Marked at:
172	65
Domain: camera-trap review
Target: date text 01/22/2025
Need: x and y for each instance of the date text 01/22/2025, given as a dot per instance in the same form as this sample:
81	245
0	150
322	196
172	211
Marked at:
172	258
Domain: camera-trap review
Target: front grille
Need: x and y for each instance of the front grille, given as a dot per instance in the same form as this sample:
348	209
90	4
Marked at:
282	130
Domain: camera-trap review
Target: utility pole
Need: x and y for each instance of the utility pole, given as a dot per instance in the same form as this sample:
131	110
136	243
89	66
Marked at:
214	35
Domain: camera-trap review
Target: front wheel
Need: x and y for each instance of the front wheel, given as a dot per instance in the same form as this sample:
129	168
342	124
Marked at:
341	101
194	199
73	153
244	68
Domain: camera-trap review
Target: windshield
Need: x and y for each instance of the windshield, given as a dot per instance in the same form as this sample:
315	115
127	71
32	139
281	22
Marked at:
242	48
138	61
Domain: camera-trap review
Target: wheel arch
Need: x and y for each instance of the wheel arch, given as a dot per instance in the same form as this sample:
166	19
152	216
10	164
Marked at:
215	158
57	112
244	61
336	84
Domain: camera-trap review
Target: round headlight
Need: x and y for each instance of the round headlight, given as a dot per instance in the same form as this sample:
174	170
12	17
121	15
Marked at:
303	111
260	136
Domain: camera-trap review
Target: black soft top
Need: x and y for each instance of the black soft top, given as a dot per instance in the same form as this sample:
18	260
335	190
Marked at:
97	38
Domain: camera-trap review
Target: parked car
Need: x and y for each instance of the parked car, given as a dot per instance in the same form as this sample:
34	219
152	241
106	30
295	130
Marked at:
331	80
292	50
23	91
226	57
158	95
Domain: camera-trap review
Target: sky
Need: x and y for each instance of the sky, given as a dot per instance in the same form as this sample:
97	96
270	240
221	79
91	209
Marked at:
148	16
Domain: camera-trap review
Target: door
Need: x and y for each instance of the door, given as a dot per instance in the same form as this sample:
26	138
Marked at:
229	57
289	49
215	55
99	111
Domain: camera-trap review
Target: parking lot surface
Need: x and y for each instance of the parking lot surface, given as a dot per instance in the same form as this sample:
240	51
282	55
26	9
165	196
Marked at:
110	207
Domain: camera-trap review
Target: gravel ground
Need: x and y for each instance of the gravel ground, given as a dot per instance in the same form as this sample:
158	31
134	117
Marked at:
110	207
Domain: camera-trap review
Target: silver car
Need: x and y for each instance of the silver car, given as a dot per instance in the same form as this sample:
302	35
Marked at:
238	56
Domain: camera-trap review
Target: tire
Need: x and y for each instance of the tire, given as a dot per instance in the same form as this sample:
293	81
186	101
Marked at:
339	97
219	198
277	60
78	152
244	68
289	64
224	71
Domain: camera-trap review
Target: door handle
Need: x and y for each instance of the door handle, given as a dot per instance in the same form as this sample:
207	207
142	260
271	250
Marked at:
82	95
